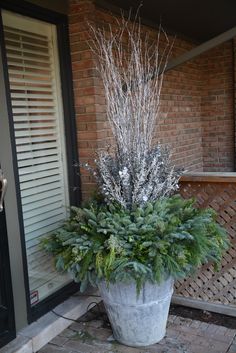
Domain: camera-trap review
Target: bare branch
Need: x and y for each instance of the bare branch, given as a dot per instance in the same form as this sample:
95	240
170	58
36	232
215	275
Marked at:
136	172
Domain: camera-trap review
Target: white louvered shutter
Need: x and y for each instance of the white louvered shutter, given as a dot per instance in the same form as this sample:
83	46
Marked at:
39	136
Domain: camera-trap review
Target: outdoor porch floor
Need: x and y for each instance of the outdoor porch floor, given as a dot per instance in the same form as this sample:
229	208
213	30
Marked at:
92	334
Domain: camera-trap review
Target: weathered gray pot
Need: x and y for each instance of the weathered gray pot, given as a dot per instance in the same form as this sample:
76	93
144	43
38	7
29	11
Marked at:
137	321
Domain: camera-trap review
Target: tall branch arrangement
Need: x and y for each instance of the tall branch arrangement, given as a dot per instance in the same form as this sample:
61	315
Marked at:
132	72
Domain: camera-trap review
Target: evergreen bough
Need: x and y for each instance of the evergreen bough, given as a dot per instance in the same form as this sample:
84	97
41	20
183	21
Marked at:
169	237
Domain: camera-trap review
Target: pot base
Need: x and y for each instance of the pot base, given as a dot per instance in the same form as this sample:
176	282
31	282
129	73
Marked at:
137	321
134	344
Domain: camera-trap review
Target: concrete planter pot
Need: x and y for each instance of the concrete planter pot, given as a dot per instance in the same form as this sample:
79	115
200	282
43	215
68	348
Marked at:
137	321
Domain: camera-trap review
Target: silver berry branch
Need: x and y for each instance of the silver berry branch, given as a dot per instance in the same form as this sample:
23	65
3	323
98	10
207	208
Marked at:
132	70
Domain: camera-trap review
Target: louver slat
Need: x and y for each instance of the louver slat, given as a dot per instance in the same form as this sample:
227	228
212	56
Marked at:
27	140
28	74
42	220
36	154
36	95
26	42
39	138
25	103
40	204
39	175
40	146
33	238
24	65
13	55
27	52
41	188
27	172
39	211
37	132
30	81
29	185
32	199
30	117
35	161
34	125
27	89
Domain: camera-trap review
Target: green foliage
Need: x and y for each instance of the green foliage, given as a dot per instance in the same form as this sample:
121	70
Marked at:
169	237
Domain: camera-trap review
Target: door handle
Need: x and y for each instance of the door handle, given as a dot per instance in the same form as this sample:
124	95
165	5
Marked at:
3	189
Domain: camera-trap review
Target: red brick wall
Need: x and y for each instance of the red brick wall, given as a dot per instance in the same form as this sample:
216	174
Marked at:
181	126
217	111
84	82
196	117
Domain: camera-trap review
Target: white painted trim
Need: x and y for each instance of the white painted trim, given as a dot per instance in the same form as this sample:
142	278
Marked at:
202	48
199	304
60	112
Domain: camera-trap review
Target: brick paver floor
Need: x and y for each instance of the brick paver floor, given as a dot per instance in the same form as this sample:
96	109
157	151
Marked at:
183	336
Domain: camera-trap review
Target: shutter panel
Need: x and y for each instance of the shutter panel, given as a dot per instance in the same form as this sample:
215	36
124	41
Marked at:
39	136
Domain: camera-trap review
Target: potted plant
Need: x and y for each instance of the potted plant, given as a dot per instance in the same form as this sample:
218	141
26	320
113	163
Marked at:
141	235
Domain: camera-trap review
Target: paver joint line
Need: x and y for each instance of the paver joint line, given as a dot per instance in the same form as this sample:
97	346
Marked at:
183	336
